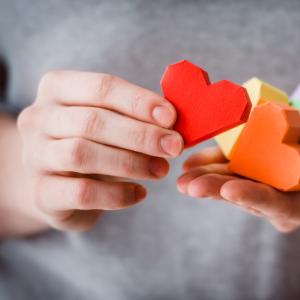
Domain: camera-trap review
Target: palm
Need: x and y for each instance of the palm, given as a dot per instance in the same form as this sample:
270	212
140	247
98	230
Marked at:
206	174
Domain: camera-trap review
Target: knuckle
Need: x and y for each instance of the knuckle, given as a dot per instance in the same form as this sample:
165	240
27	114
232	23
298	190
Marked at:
123	199
76	153
26	118
105	85
81	194
137	104
139	137
91	122
147	139
48	78
129	165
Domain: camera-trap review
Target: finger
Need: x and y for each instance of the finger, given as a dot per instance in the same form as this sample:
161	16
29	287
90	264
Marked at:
196	172
86	157
74	220
208	185
209	155
110	128
284	226
251	211
270	202
57	194
102	90
29	120
247	209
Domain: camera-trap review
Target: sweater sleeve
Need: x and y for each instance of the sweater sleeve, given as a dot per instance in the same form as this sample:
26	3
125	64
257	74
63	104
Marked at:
5	105
8	108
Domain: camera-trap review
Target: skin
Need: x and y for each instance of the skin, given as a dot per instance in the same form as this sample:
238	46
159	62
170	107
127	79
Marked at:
85	138
206	174
76	150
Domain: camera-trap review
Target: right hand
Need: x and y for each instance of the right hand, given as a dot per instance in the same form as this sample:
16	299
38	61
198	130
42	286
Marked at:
83	131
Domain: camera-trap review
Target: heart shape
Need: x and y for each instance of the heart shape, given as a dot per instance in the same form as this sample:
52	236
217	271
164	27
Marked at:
259	92
268	148
203	109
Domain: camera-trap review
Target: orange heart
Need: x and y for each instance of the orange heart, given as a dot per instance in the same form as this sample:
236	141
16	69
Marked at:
267	149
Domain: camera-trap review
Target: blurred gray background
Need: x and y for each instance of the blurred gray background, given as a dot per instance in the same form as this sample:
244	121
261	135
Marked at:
169	246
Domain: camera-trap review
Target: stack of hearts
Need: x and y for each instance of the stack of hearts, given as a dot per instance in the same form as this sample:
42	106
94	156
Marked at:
255	125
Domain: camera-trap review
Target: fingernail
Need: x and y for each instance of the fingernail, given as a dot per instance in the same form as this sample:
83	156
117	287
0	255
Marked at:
163	116
140	192
158	167
171	144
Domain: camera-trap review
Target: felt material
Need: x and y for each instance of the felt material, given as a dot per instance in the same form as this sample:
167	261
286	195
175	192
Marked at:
203	109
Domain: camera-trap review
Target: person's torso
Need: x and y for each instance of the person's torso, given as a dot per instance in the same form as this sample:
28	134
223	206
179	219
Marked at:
169	246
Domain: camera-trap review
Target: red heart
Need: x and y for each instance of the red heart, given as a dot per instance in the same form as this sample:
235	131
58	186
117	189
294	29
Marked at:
204	110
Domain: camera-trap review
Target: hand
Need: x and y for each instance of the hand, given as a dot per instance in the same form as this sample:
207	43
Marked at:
83	134
207	175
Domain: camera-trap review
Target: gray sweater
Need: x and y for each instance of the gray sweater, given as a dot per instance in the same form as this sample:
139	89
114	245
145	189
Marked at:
170	246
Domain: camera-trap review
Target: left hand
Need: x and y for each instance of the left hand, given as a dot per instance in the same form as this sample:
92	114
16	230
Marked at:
206	174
